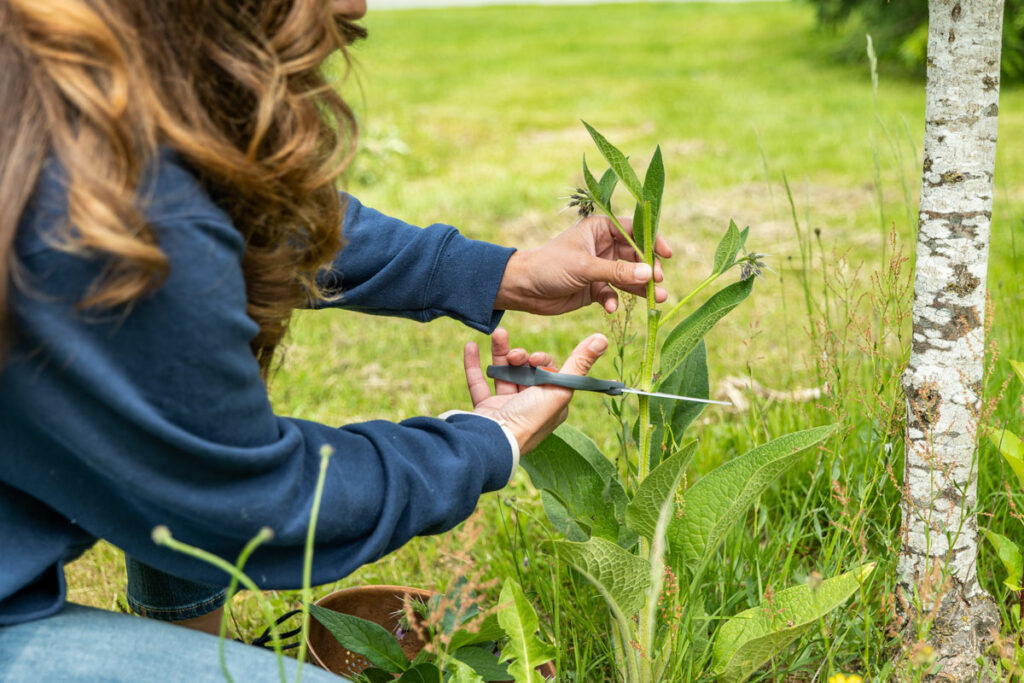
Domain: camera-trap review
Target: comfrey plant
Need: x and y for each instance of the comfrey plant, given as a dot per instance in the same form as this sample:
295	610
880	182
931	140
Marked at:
642	540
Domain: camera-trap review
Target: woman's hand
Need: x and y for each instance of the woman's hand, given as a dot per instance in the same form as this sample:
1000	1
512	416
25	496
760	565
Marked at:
576	268
531	413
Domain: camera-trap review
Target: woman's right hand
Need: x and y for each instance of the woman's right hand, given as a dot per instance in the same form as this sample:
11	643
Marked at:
530	413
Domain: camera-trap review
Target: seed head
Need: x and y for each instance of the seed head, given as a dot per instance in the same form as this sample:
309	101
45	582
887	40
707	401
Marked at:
582	199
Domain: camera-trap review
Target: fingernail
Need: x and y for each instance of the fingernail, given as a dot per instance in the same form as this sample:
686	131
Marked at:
642	272
598	344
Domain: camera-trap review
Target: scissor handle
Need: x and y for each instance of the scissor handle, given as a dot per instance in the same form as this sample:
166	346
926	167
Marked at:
529	376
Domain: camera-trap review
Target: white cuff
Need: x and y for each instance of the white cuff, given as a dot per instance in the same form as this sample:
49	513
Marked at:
512	442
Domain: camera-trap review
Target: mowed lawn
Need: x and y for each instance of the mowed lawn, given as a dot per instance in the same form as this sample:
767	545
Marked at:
472	117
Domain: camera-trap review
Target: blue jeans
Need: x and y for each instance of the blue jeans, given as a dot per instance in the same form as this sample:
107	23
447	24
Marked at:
154	594
87	644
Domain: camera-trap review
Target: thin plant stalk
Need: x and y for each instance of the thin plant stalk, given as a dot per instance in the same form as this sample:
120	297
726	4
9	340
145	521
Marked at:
264	535
307	562
162	536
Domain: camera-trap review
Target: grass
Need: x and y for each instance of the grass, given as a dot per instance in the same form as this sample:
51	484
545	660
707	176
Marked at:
470	117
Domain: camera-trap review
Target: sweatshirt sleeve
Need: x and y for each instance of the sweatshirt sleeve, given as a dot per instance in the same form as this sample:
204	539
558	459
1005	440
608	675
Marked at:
158	415
388	267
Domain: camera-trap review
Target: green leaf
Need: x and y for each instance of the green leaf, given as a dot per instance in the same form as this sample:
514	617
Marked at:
488	632
1009	555
562	519
463	673
688	333
617	160
670	418
659	486
720	499
364	638
654	187
621	576
421	673
593	187
752	637
375	675
524	649
743	236
1012	449
483	662
606	186
1018	367
728	247
585	484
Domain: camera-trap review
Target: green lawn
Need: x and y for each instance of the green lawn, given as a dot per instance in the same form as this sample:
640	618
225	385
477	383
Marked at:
471	117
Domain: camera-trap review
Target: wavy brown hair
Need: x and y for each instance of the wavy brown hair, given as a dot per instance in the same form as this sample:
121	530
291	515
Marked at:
234	86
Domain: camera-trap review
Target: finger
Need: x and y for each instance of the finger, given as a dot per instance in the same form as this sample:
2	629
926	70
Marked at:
622	274
585	355
660	295
606	296
499	356
518	356
479	389
659	273
661	247
540	359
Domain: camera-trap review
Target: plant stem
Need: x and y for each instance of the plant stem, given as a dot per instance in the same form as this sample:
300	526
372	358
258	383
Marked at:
686	299
307	563
265	534
606	211
162	536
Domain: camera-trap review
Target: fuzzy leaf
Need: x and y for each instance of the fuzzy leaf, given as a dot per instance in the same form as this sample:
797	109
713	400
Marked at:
1012	449
562	520
606	186
669	417
621	576
688	333
524	649
728	247
659	486
374	675
584	482
483	662
749	639
720	499
654	187
617	160
421	673
593	187
1009	555
364	638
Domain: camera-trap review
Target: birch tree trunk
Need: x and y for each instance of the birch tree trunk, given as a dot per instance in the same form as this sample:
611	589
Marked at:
943	382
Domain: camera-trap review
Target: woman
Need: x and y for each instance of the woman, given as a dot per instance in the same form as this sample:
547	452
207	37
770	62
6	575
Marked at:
167	173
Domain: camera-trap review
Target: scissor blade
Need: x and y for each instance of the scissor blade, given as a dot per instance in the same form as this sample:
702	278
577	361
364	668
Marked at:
678	398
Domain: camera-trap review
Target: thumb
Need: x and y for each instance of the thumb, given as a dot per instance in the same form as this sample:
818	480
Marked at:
585	355
618	273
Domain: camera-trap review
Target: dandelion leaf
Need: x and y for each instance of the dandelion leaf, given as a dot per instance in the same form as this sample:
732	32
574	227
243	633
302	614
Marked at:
524	650
1012	449
749	639
687	334
1009	555
621	576
718	500
464	673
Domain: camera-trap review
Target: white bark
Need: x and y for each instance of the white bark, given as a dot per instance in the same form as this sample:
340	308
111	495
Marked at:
943	382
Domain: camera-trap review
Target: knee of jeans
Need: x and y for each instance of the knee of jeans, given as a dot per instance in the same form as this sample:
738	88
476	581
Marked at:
158	595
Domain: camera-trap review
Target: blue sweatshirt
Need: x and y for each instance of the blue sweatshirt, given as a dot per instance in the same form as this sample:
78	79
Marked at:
114	423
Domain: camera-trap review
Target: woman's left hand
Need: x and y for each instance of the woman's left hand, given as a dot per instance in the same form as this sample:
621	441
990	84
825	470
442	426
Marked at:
581	266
